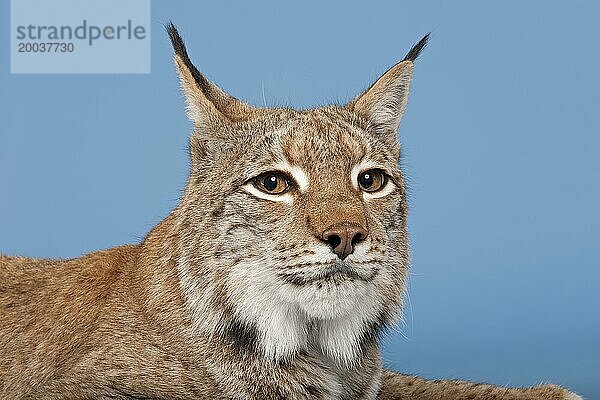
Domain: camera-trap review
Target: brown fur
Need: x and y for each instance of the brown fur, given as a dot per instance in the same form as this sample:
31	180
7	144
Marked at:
235	295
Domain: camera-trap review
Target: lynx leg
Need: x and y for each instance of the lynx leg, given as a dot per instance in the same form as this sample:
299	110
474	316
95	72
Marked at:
405	387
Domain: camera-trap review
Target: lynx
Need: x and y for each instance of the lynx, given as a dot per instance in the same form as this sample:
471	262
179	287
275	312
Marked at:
273	278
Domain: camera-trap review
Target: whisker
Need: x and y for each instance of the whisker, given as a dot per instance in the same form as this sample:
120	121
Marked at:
395	328
412	321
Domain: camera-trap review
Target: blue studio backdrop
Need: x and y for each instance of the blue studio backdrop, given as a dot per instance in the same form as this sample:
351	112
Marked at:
500	143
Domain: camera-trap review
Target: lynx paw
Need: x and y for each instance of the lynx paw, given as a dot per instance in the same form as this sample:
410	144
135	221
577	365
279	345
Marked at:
555	392
573	396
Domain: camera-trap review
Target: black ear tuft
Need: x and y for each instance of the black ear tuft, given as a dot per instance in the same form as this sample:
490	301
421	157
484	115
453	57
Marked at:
177	42
180	50
417	48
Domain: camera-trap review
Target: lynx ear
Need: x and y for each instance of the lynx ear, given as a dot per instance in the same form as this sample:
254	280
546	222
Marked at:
384	102
206	101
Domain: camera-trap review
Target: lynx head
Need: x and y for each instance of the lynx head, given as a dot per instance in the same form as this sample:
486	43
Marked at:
293	223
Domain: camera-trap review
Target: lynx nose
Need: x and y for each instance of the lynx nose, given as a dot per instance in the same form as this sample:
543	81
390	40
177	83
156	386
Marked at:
343	236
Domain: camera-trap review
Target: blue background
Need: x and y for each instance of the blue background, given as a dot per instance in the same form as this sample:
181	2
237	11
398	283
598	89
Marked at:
500	141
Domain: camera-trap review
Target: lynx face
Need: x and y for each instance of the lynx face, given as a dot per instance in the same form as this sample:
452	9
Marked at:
296	220
323	199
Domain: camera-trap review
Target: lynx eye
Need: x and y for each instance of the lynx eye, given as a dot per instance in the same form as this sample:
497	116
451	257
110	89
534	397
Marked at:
372	180
272	182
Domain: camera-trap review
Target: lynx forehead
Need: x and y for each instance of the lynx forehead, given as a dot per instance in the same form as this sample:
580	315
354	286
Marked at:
328	157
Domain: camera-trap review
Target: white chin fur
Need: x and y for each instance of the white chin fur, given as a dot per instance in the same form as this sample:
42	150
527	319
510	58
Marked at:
330	300
283	313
